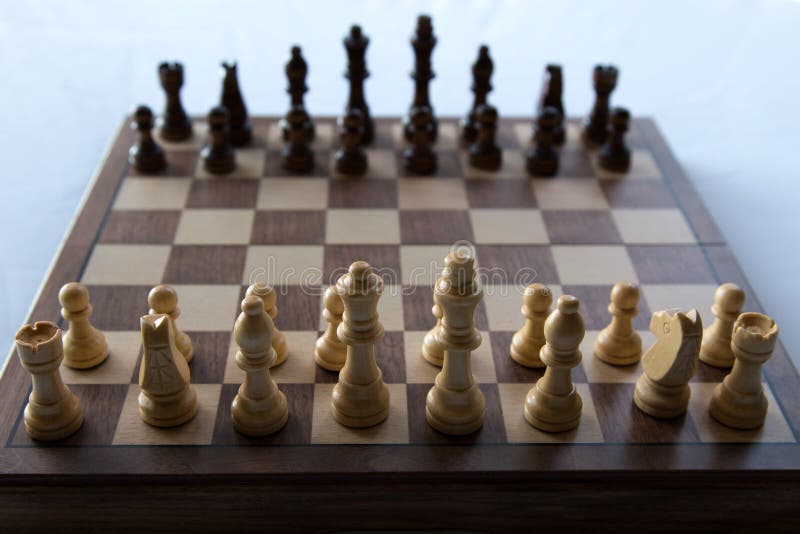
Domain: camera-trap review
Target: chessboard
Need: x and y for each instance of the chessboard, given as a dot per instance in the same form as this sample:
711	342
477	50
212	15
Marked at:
207	236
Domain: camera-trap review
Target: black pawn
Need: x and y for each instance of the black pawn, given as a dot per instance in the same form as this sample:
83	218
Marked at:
484	153
542	159
296	71
615	156
604	78
351	158
481	86
423	41
419	158
297	154
356	43
218	155
552	97
145	155
176	126
241	132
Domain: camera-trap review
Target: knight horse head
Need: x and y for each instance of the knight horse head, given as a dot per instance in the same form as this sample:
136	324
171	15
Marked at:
674	355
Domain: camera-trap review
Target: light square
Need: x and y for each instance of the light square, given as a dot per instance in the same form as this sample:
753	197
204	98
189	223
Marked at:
652	226
381	164
593	265
293	194
281	265
503	304
208	308
249	164
597	371
422	264
569	194
299	367
323	136
126	265
682	296
325	429
362	227
194	143
518	430
390	308
215	227
152	194
643	167
419	371
513	167
447	138
508	226
431	194
131	430
775	429
118	367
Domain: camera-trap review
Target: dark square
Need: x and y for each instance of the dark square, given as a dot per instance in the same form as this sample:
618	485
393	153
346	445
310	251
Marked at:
223	193
355	193
680	264
594	307
205	264
118	307
210	356
179	163
384	259
101	403
274	165
622	422
151	227
288	227
447	165
581	227
300	398
417	304
391	357
298	307
517	264
575	163
506	137
637	194
486	193
510	371
492	431
708	373
434	227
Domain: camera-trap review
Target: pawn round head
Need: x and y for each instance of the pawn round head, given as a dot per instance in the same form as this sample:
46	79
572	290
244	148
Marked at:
620	118
163	299
143	117
729	298
483	52
74	297
333	302
296	51
218	117
486	114
537	298
355	32
625	295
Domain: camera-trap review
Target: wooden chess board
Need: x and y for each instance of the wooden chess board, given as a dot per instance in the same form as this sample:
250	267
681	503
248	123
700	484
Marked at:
579	233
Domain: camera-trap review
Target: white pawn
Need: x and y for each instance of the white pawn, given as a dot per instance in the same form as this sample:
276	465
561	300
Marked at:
619	343
739	401
553	403
716	347
330	353
663	388
84	345
53	411
164	300
259	408
267	295
529	340
432	351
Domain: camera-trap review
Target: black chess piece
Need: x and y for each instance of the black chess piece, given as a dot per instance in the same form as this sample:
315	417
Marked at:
604	78
419	158
351	158
176	126
484	153
542	159
481	86
356	45
423	41
241	132
218	155
146	155
297	154
552	97
615	156
296	71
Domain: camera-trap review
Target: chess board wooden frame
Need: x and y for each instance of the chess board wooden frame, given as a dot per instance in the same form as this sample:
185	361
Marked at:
453	484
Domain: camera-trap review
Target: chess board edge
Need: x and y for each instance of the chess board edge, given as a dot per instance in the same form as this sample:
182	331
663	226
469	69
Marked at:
446	461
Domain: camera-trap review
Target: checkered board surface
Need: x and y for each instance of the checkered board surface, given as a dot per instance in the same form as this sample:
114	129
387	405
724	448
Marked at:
580	232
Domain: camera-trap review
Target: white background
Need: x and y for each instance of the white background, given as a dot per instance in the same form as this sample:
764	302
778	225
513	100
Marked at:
720	77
